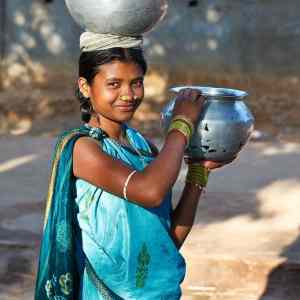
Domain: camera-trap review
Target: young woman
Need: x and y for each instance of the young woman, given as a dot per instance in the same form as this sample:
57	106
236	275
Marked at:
110	230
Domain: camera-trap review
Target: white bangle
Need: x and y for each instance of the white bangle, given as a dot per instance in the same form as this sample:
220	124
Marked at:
126	184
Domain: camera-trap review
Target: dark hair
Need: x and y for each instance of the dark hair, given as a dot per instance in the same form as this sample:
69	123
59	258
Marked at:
89	63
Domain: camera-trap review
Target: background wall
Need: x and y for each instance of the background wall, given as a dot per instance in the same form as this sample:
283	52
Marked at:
218	35
249	44
231	35
39	39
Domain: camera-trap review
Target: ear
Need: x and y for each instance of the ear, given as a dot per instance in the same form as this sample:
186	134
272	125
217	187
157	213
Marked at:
84	87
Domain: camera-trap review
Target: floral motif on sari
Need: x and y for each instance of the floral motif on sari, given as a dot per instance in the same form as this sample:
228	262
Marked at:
64	287
142	269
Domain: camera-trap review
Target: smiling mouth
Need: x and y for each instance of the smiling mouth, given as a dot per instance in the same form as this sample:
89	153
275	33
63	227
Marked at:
127	107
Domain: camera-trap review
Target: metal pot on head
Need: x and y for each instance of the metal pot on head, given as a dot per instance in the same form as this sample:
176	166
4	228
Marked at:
123	17
225	124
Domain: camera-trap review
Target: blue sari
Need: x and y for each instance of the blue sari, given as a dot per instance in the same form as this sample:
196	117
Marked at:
97	245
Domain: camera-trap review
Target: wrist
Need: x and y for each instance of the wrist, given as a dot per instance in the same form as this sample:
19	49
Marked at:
186	120
197	175
193	189
183	126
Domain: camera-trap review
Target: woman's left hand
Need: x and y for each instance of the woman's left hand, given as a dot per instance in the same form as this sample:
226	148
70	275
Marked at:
209	164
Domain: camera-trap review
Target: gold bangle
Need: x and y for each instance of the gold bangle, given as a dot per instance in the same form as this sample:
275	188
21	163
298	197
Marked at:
181	127
126	184
197	174
186	120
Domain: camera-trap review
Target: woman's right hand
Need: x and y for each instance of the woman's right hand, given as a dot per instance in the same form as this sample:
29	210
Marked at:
189	102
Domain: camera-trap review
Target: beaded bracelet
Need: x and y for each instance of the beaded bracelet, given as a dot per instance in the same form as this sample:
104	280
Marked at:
183	128
197	175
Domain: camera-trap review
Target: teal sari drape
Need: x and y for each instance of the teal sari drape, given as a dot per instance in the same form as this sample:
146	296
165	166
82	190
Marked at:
60	268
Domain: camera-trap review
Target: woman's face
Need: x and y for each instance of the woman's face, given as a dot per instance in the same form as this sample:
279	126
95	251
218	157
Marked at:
117	90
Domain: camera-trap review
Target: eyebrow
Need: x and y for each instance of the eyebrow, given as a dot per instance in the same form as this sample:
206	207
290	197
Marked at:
113	79
119	79
138	78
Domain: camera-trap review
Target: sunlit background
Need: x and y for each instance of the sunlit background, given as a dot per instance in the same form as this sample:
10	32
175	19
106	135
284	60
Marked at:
245	245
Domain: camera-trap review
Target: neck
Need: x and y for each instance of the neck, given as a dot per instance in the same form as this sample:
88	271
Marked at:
112	128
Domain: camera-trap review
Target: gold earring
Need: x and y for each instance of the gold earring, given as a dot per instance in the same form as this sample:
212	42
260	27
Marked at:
85	94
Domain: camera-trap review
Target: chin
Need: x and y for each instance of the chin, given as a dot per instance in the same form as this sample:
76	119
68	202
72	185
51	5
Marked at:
124	118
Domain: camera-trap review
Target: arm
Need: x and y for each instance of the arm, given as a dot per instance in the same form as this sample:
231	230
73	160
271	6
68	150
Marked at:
146	188
183	216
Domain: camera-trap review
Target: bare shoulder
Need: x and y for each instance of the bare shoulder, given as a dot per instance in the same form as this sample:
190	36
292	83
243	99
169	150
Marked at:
85	144
86	152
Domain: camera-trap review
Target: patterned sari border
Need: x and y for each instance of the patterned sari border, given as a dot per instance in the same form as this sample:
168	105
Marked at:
56	159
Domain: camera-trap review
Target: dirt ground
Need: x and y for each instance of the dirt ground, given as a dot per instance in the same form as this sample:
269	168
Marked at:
246	227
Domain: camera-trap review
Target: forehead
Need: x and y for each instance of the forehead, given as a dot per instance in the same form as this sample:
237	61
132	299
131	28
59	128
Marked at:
119	69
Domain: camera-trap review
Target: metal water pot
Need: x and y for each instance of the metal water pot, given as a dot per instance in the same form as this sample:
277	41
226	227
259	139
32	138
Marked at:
124	17
225	124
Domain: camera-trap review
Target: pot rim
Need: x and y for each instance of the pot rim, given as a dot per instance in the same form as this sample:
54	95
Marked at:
209	91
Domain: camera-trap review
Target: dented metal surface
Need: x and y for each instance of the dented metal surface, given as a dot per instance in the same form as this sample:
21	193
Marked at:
225	124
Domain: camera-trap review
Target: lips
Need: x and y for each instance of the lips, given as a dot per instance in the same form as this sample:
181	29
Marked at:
126	107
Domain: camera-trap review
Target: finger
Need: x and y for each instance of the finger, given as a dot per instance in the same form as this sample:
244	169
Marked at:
196	92
216	165
212	164
187	94
200	98
183	94
208	163
180	96
197	96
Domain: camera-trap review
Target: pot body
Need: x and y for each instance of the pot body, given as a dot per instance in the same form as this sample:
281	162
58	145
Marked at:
225	124
124	17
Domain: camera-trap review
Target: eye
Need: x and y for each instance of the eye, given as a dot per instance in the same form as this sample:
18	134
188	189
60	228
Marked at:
114	84
138	84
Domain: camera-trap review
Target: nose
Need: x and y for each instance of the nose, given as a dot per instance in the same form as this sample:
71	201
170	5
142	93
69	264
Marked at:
128	93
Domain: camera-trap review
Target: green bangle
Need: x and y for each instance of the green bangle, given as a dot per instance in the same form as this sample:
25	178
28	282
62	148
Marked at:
198	174
182	127
186	120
